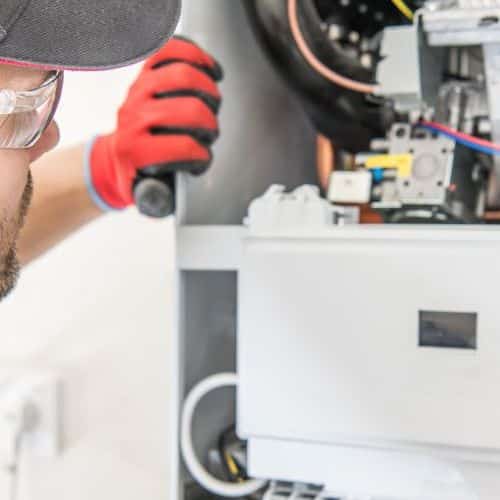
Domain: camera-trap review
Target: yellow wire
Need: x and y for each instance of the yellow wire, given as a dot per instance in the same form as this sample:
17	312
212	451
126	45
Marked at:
403	8
231	463
233	467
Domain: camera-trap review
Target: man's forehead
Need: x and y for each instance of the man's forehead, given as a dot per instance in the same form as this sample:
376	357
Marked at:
20	77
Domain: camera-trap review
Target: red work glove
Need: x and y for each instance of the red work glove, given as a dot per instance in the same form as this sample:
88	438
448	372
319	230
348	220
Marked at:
169	118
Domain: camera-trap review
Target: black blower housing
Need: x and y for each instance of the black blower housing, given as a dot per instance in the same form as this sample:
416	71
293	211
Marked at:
349	118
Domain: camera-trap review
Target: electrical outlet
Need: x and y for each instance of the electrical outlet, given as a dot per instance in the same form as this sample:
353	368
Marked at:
42	392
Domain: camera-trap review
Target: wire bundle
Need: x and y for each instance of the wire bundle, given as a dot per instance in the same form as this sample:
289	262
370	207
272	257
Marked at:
475	143
322	69
315	63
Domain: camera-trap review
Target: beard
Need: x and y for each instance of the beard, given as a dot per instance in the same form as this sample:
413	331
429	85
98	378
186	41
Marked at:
9	233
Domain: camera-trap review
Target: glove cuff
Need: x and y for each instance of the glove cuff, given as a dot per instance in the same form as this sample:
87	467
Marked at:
94	180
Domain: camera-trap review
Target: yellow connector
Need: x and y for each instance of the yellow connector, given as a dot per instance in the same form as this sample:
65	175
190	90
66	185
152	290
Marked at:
402	163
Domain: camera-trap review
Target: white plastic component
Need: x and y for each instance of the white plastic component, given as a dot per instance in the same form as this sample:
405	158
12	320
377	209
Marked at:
350	187
278	211
362	473
328	351
477	4
42	393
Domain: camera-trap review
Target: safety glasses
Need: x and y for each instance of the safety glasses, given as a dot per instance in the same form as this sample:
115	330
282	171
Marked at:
24	115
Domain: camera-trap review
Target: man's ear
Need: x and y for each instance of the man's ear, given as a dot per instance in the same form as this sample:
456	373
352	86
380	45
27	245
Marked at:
48	141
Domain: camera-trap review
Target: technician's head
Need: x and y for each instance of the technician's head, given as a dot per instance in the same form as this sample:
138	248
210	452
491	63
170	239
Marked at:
38	40
25	134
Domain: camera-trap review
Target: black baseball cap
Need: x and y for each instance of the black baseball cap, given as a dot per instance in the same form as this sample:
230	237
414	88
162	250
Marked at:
84	34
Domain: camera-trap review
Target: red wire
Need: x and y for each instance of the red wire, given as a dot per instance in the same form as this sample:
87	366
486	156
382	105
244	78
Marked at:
461	135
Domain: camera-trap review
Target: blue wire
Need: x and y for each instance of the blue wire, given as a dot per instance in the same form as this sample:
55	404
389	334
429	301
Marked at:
464	142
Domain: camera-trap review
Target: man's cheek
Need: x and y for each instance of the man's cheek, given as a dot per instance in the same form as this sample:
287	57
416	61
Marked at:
14	168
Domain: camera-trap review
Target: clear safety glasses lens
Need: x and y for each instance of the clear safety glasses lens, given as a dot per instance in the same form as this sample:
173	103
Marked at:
25	115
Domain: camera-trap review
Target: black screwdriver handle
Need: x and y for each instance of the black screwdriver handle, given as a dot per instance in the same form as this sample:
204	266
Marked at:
155	196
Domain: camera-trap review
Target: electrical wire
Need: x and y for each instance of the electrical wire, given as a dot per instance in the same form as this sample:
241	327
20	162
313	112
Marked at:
475	143
21	418
235	471
199	473
404	9
315	63
13	468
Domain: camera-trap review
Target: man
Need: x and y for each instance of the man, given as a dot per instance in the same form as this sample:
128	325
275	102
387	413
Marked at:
169	117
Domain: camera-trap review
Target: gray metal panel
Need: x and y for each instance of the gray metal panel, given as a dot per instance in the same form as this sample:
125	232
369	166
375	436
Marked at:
209	345
266	137
399	71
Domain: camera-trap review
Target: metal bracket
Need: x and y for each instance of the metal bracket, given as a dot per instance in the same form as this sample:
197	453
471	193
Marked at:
492	67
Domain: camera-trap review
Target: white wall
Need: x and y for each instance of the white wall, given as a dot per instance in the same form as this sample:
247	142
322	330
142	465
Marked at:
97	310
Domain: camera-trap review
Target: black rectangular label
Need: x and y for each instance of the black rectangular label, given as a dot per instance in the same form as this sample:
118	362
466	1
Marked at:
448	330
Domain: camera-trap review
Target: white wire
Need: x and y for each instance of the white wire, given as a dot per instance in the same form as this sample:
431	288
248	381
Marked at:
13	467
21	423
194	466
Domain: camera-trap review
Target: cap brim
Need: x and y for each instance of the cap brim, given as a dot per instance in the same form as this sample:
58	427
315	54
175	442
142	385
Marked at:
89	34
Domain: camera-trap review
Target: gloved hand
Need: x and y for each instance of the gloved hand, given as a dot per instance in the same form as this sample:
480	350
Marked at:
169	118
